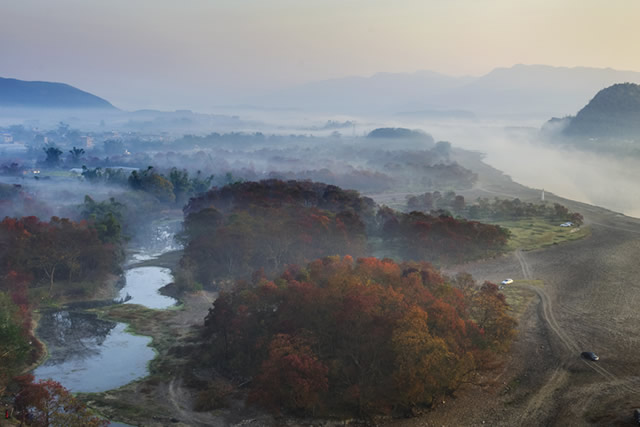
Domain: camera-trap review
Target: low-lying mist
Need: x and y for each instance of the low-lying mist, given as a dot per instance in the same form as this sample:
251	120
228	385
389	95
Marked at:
322	147
521	152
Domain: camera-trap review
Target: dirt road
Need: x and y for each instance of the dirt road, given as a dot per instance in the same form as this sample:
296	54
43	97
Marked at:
585	296
586	300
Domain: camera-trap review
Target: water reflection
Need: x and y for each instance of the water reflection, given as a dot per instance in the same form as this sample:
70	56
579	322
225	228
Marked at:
87	354
72	335
142	284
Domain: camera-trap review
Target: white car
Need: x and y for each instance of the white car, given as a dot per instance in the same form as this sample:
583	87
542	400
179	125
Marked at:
506	282
566	224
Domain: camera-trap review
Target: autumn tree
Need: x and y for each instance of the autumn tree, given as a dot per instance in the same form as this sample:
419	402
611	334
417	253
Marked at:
292	378
248	226
56	246
424	366
47	403
57	249
491	313
386	337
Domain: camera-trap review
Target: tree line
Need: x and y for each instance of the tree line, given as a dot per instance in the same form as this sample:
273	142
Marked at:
177	186
243	227
496	209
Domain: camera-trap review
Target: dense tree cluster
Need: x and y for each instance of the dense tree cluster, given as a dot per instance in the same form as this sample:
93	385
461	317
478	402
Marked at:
436	201
501	209
106	217
176	186
57	250
496	209
361	337
243	227
274	192
440	238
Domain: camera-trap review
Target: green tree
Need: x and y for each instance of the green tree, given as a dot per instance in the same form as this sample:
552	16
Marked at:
53	154
200	183
182	186
76	155
106	217
153	183
14	345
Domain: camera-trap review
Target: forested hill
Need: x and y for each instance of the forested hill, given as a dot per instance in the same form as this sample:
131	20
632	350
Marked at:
20	93
274	192
614	113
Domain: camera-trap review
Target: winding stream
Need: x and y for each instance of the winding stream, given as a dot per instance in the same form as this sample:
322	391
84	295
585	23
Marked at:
88	354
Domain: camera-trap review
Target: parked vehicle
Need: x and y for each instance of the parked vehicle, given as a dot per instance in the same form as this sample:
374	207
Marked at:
590	355
506	282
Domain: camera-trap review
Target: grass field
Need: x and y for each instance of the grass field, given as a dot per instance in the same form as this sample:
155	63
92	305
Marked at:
529	234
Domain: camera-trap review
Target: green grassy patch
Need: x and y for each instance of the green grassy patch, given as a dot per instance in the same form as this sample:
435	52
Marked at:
535	233
58	173
147	322
519	298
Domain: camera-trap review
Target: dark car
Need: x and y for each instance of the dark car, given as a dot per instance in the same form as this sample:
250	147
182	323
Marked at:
590	355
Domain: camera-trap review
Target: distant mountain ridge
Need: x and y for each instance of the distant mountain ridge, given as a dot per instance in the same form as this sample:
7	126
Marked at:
614	113
37	94
519	90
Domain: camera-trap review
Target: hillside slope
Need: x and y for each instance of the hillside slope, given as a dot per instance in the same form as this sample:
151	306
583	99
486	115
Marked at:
614	113
20	93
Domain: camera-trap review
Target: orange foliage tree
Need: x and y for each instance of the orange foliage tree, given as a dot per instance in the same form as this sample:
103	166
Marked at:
47	403
387	337
291	378
57	249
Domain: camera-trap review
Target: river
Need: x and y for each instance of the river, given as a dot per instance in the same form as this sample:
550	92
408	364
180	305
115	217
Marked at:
88	354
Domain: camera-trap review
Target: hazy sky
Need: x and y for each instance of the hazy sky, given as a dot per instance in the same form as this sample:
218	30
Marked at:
200	53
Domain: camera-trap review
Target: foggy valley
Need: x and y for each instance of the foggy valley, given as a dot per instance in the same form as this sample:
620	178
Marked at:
215	216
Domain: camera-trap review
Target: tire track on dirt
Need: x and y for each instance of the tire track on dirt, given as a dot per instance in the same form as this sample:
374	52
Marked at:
615	227
549	319
180	400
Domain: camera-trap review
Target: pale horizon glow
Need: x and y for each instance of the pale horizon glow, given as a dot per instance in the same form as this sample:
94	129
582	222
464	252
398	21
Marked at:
199	53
